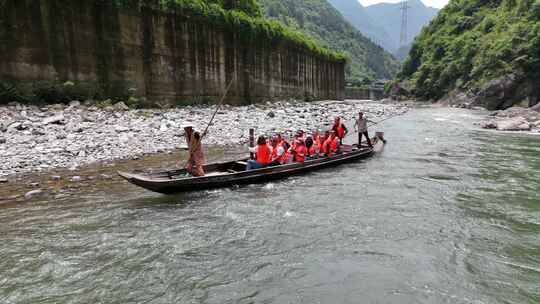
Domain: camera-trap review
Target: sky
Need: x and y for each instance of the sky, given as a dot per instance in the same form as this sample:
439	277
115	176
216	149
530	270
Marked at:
432	3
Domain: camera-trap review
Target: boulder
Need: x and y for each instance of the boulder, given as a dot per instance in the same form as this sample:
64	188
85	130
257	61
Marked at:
120	106
87	118
3	180
2	140
271	114
57	107
489	124
34	193
76	179
56	119
120	129
74	103
514	124
20	125
38	132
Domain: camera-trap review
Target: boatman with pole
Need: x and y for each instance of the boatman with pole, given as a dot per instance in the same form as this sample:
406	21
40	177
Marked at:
362	129
196	156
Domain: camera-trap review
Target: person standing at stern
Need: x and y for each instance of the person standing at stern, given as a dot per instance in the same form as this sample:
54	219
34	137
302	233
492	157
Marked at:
361	126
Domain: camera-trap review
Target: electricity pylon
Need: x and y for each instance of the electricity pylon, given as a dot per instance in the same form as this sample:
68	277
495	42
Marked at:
404	14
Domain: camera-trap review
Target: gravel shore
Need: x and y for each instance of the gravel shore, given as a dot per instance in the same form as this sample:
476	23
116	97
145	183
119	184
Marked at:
67	136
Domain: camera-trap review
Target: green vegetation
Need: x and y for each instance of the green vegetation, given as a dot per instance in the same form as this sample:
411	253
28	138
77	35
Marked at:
243	17
322	21
471	42
54	92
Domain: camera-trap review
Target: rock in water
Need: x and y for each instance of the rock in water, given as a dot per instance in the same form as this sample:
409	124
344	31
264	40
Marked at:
271	114
56	119
3	180
2	140
514	124
34	193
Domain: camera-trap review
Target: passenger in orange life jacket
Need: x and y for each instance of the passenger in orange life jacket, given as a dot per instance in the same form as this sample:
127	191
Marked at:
282	141
310	150
279	155
263	155
298	150
340	129
330	145
316	147
321	143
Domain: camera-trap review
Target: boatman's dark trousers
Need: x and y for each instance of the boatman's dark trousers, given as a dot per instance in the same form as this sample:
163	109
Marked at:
367	137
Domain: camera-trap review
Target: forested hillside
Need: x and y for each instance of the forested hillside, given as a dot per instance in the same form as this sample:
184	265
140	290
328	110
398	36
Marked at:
358	16
388	17
382	22
323	22
486	48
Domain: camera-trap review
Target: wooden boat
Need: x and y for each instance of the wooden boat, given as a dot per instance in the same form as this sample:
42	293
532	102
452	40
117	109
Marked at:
234	172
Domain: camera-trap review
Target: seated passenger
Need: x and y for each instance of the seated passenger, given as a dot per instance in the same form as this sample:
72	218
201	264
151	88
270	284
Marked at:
317	145
310	148
262	155
298	150
330	146
279	155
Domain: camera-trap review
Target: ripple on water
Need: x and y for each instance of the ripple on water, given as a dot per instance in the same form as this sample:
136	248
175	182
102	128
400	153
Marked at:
447	214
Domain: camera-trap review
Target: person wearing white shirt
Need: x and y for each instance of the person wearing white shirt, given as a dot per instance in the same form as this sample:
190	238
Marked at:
362	129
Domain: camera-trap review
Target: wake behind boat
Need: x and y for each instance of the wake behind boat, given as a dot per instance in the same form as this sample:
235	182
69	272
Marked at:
232	173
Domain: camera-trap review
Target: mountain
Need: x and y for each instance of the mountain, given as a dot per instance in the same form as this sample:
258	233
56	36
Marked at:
388	17
487	50
382	22
359	17
324	23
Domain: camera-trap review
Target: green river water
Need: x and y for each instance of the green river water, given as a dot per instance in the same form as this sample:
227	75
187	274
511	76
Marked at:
447	213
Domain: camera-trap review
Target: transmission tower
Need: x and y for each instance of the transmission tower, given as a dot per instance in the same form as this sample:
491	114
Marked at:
404	14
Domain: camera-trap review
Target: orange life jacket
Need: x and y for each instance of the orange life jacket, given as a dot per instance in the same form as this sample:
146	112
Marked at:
340	130
311	150
263	154
279	158
316	144
330	146
300	155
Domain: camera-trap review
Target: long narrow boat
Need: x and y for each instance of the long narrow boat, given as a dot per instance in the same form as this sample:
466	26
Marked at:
234	172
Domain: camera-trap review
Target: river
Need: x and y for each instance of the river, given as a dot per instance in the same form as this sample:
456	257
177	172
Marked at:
447	213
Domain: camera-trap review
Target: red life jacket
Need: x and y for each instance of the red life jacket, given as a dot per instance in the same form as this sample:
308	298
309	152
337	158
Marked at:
330	146
278	158
321	145
300	155
311	150
316	144
263	154
340	130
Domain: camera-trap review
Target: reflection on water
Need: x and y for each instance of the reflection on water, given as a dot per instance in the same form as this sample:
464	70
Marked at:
447	214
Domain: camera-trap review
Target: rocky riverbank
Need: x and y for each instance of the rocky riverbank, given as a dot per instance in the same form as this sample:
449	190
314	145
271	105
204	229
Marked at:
514	119
36	138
